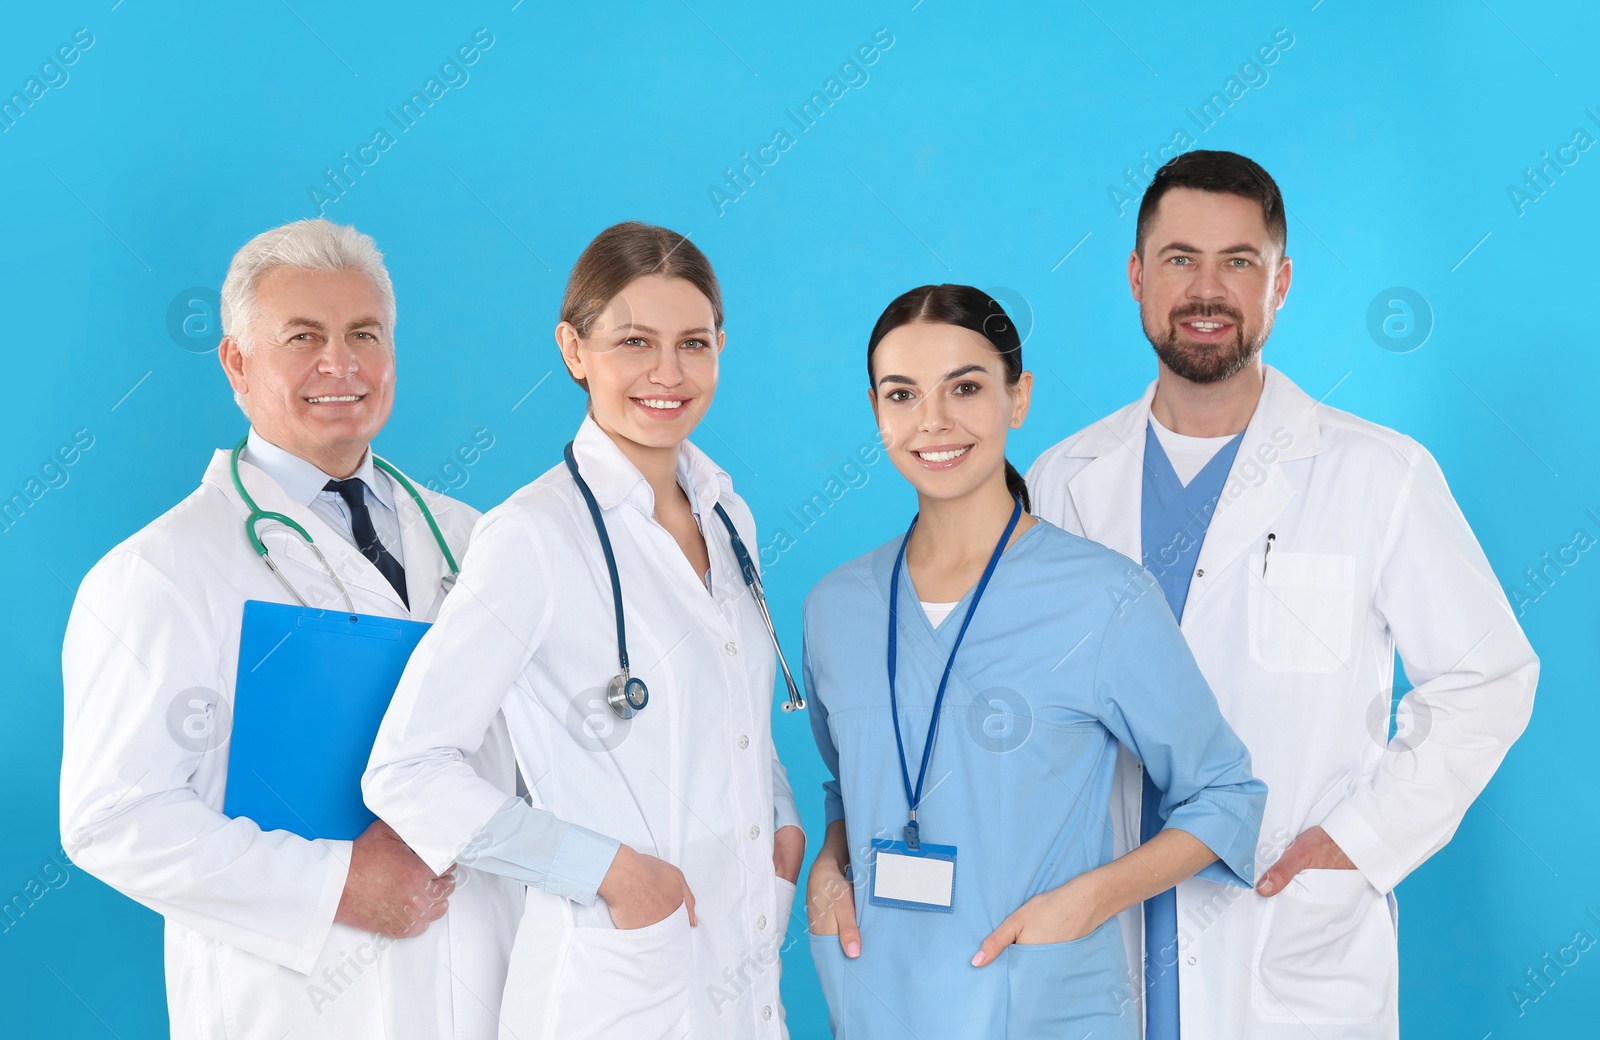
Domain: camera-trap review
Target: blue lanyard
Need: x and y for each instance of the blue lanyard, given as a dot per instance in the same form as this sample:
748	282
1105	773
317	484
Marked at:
914	797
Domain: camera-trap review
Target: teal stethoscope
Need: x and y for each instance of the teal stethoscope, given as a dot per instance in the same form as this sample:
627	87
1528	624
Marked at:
627	694
257	515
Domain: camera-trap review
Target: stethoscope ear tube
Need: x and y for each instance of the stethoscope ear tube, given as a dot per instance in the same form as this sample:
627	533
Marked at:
449	580
752	579
619	691
796	702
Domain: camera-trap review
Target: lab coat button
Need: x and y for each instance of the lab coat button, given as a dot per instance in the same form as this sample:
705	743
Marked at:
1191	960
1201	573
744	741
761	922
755	831
766	1011
730	648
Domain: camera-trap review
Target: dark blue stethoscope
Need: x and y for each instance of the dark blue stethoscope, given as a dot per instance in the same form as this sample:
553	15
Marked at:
627	694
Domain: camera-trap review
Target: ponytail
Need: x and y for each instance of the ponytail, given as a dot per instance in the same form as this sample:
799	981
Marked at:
1017	486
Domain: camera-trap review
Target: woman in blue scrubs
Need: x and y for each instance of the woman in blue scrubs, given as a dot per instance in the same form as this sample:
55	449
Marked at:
967	885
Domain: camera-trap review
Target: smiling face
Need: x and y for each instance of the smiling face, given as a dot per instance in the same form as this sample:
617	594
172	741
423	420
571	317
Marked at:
1209	283
650	362
319	381
940	396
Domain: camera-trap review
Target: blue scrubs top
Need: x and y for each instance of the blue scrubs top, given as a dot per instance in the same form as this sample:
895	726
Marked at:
1072	650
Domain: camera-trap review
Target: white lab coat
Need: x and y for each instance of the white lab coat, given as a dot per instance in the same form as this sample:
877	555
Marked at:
692	779
251	947
1370	554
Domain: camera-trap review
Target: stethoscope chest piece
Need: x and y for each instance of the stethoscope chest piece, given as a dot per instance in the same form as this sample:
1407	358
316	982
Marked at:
626	695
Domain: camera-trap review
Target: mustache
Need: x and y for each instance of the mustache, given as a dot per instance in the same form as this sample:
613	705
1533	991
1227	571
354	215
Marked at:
1206	310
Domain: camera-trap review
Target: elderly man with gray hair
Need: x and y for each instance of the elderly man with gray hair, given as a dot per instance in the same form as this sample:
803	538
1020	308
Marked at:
270	934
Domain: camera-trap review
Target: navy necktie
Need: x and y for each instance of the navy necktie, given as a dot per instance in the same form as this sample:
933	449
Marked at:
353	493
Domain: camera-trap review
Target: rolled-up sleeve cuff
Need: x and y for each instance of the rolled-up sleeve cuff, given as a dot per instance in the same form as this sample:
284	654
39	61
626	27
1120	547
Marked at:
832	802
1364	847
1231	838
785	814
580	864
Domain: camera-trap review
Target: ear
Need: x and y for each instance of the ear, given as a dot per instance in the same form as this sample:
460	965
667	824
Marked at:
1136	276
872	400
1280	285
1021	397
567	340
231	355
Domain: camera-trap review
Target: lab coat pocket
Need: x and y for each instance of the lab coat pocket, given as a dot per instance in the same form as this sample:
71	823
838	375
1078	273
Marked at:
1302	610
1327	954
630	982
1070	988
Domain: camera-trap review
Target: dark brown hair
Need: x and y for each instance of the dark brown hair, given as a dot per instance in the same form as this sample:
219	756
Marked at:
967	308
626	252
1224	173
623	252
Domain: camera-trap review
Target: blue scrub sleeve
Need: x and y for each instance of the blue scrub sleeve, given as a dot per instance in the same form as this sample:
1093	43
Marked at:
817	708
1152	697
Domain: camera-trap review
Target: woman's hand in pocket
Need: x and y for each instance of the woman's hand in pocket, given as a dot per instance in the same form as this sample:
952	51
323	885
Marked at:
1312	850
642	890
830	897
1062	914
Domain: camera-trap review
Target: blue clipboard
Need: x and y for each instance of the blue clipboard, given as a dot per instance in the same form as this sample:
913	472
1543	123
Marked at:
311	692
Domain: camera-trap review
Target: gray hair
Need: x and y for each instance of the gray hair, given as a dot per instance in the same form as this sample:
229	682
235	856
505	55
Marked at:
311	245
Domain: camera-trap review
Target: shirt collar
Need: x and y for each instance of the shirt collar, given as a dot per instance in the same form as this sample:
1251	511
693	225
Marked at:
614	479
301	480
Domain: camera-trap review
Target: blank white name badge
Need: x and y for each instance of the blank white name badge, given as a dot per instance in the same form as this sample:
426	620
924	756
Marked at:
913	879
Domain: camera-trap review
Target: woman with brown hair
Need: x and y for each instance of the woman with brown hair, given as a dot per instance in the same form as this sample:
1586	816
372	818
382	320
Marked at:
609	610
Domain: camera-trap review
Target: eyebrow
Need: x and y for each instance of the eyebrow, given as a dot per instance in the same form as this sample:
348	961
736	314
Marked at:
320	326
634	326
952	374
1184	247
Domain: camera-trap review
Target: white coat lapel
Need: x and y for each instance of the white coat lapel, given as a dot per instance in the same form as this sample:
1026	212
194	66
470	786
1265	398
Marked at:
425	564
1283	428
1109	492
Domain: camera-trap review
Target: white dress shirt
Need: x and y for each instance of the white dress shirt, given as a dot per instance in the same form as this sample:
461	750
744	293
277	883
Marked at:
304	483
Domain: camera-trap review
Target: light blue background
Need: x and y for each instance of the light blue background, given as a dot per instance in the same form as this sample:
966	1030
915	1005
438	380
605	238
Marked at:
980	149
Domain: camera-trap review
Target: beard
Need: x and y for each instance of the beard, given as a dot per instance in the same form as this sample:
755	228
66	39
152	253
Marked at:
1206	362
